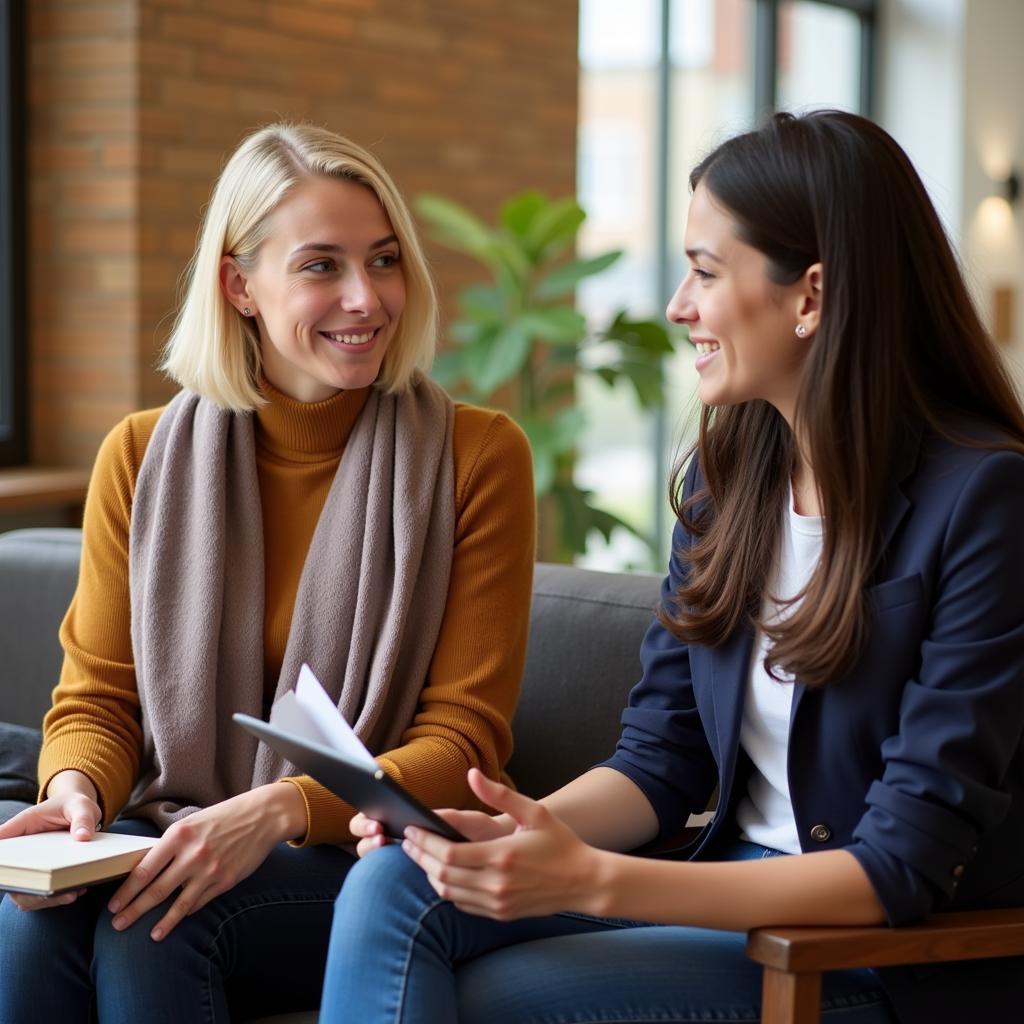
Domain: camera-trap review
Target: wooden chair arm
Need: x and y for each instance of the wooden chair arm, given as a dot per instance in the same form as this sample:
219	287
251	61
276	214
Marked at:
794	958
970	935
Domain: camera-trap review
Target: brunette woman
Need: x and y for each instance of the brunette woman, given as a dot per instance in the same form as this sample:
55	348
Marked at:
839	647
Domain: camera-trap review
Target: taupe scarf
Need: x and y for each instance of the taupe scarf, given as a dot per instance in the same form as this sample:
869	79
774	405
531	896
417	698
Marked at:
367	611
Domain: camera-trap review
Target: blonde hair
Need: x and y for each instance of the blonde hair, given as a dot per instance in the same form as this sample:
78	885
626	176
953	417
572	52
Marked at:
214	350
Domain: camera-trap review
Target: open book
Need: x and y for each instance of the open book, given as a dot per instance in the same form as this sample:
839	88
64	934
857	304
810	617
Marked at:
307	729
50	862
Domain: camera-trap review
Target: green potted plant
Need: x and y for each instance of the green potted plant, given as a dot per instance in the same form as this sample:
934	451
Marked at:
519	335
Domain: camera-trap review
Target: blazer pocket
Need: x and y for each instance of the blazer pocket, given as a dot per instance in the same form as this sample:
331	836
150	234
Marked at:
893	593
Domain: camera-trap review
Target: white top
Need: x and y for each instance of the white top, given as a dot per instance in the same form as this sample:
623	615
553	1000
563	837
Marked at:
765	814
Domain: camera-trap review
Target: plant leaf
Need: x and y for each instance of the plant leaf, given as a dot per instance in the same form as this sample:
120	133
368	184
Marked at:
642	334
453	224
447	368
579	516
556	436
466	332
646	376
482	302
557	223
493	360
564	279
519	212
558	325
543	471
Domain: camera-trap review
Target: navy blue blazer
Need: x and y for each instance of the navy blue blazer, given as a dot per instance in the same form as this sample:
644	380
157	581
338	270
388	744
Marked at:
914	761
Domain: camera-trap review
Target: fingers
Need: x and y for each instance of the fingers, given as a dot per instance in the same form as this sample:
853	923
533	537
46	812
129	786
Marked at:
522	809
481	891
19	825
476	825
365	827
143	878
76	811
45	817
191	898
84	816
371	832
365	846
26	902
444	851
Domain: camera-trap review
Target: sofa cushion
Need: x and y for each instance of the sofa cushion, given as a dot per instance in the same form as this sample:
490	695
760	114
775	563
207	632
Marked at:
19	754
38	573
582	660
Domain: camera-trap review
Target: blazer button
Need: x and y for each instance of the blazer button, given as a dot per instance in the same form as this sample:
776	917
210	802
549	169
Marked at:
958	871
821	833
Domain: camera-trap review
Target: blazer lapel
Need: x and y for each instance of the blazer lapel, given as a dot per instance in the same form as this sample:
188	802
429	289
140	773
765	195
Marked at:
894	509
730	666
896	504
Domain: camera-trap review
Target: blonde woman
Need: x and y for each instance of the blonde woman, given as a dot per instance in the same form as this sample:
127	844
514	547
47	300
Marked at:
311	496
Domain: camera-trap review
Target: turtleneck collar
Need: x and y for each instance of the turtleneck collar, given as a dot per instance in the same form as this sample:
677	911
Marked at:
306	431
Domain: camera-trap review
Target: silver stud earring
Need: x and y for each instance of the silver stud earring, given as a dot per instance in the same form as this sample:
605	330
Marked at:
801	331
247	311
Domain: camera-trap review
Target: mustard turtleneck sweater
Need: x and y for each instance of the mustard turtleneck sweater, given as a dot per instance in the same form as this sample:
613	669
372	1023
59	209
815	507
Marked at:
469	696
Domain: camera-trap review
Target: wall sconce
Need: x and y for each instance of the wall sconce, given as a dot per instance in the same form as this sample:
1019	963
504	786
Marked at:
1008	188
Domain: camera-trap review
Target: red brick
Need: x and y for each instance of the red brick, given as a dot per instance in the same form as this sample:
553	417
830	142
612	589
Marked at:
74	55
49	20
472	98
297	19
47	158
57	87
112	193
99	236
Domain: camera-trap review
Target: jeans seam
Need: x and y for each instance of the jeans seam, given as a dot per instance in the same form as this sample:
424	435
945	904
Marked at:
262	904
410	946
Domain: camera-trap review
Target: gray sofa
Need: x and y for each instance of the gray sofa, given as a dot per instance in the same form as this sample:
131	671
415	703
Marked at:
585	634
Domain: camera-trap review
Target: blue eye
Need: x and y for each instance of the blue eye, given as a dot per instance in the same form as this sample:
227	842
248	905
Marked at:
385	259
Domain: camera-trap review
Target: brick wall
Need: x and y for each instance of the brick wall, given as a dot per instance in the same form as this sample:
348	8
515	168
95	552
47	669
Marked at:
135	104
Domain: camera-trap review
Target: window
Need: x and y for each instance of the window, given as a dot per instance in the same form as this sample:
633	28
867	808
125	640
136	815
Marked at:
661	82
13	439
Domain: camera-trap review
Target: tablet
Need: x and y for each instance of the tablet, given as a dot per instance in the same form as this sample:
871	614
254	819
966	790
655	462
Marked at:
370	790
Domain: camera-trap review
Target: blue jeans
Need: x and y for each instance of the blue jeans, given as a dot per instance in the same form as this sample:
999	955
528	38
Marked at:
256	949
402	954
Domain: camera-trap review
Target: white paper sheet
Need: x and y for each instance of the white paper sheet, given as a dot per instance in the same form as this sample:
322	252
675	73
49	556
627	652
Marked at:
307	711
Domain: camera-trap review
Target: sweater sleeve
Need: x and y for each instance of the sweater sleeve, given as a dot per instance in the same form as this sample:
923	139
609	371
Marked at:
93	725
466	705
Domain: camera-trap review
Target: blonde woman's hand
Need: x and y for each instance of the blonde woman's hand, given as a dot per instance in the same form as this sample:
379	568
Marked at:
207	853
70	807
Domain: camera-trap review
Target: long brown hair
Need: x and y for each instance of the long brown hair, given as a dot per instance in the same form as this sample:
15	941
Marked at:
899	343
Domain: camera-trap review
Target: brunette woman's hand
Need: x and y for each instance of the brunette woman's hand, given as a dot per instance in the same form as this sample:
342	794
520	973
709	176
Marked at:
539	867
70	806
473	825
208	853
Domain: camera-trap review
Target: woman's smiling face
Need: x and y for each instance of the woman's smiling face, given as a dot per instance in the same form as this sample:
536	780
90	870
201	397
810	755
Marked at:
743	324
327	289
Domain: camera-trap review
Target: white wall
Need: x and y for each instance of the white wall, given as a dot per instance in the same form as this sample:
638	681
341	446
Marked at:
920	93
993	143
951	91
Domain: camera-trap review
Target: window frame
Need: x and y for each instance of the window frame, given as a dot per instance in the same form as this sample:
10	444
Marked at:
766	52
13	280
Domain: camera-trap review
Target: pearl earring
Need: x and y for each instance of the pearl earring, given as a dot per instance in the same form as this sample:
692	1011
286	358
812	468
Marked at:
247	311
801	331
